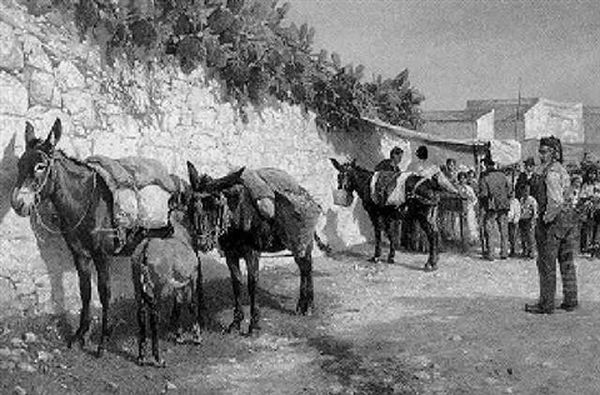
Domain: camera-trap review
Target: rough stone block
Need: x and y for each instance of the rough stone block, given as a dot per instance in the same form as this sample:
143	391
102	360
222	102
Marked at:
124	125
81	107
113	145
41	88
78	147
35	55
12	139
200	98
11	54
68	76
14	99
165	156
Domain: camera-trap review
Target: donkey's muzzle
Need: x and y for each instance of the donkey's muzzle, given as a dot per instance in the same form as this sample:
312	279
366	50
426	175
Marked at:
22	200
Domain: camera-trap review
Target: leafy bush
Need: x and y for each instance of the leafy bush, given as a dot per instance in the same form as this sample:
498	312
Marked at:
246	44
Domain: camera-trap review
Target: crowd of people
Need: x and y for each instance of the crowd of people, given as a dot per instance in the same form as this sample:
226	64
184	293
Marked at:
505	200
543	212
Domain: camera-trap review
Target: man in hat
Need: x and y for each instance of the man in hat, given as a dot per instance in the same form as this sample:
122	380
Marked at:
393	162
527	177
494	197
556	231
382	180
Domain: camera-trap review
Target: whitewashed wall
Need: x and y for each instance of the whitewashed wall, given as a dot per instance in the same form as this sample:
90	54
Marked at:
46	72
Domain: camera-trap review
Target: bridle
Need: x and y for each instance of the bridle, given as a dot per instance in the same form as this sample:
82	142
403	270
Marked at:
218	225
51	160
346	178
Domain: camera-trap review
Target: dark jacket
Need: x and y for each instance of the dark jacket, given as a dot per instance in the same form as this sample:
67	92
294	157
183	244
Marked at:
533	181
386	165
494	191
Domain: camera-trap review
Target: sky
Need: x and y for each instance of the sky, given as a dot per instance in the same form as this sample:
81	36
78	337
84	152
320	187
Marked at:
470	49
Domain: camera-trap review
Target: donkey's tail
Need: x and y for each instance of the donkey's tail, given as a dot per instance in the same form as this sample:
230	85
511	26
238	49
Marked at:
326	248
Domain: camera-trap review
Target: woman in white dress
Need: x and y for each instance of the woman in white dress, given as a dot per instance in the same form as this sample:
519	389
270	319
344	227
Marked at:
466	191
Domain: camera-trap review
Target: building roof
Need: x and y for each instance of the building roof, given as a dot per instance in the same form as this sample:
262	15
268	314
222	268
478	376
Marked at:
504	109
454	116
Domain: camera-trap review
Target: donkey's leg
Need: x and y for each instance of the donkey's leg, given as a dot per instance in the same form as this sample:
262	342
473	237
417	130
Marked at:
376	221
175	319
82	263
141	317
200	307
432	237
154	318
233	262
102	262
305	302
392	225
140	299
252	259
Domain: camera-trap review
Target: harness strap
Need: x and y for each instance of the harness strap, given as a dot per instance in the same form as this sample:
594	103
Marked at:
37	212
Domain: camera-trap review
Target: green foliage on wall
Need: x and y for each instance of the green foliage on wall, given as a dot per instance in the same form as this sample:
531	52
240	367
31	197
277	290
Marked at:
248	45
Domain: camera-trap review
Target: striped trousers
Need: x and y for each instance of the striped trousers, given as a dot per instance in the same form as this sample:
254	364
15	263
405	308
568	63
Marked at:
557	241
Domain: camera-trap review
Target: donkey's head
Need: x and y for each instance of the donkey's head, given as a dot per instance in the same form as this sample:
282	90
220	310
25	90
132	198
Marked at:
208	207
34	180
346	178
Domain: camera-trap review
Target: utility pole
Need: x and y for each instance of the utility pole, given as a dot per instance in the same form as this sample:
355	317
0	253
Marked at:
518	111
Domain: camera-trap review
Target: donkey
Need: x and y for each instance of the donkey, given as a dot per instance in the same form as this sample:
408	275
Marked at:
420	205
84	204
223	212
163	267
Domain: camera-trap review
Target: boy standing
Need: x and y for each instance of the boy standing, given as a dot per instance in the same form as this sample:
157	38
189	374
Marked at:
514	215
529	214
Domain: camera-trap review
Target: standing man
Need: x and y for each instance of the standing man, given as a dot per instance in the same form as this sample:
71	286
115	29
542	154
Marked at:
527	177
494	197
393	162
381	182
556	231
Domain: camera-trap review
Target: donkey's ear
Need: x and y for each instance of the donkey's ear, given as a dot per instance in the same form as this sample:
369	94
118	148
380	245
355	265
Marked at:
193	174
55	133
336	164
29	134
238	174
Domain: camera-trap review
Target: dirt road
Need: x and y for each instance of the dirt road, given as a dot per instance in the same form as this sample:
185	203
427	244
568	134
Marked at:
378	329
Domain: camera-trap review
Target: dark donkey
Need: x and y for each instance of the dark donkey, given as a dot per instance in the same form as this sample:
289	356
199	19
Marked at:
224	212
421	205
84	205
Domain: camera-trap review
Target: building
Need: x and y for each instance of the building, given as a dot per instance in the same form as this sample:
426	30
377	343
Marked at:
469	124
528	119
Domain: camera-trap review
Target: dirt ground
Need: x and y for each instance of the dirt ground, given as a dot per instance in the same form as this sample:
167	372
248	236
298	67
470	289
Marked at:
378	329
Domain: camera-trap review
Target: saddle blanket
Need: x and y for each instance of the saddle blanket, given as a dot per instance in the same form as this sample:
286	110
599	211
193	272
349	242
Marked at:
141	189
261	192
388	188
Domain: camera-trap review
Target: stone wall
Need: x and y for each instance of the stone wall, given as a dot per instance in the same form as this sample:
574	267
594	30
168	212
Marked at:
47	72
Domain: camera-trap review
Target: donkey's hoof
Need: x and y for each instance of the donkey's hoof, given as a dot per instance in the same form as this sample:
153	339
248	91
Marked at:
254	326
235	325
141	360
305	309
374	259
159	363
391	260
77	338
100	352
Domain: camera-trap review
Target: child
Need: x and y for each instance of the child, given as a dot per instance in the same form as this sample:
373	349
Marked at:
514	215
467	192
529	213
